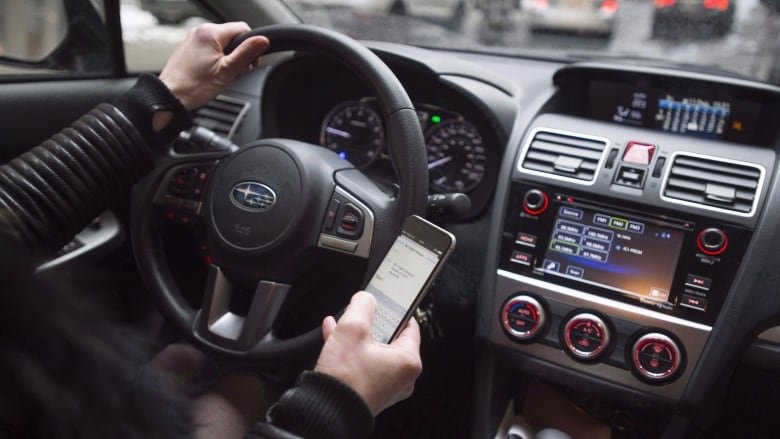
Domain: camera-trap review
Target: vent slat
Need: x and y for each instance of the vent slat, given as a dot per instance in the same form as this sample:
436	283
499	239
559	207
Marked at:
217	115
714	183
569	140
750	173
558	149
686	172
576	157
227	107
222	115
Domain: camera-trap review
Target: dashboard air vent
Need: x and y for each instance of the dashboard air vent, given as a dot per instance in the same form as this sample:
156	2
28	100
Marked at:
222	115
714	183
569	155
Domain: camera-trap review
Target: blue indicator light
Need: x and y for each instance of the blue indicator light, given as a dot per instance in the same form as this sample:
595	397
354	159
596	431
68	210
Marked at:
343	155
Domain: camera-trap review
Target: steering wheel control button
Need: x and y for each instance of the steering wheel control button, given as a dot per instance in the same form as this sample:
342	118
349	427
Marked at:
656	357
522	317
189	182
332	212
639	153
586	336
535	202
712	241
338	243
350	222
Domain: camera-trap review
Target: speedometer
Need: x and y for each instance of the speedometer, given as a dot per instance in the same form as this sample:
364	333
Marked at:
456	156
354	131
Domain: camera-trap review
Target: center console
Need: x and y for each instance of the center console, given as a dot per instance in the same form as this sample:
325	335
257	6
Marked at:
631	205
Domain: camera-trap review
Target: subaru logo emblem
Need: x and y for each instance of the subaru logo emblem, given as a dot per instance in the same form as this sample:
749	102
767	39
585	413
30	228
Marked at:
252	196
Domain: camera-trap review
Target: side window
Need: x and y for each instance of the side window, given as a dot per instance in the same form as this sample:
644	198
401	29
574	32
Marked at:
54	37
152	28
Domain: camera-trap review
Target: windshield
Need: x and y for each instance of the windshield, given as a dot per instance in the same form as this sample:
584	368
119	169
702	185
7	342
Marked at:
711	35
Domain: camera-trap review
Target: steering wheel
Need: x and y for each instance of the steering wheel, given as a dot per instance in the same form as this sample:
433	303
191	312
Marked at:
274	208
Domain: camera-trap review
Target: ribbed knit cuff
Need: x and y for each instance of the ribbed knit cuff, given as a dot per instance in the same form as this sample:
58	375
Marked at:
321	406
148	96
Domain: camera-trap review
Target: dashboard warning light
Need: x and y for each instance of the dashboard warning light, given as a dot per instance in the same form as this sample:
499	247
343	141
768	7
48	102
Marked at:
737	125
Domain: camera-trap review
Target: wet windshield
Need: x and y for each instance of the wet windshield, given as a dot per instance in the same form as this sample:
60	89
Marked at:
735	36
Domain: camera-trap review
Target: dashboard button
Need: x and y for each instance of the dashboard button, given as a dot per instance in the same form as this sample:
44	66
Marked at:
699	282
659	167
656	357
522	317
586	336
526	239
693	302
712	241
521	258
640	153
535	202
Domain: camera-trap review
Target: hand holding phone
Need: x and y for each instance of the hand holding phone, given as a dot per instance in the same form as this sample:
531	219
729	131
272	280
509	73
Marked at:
406	273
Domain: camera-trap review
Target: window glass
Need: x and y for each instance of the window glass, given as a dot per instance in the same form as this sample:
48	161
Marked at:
152	28
34	36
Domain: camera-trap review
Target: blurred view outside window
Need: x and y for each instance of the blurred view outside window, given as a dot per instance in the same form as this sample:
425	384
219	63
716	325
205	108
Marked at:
30	30
152	28
739	36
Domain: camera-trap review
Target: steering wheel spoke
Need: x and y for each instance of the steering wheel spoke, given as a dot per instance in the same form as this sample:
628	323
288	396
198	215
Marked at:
216	322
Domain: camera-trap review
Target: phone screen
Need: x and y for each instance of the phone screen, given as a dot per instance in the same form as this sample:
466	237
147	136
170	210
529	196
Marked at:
404	274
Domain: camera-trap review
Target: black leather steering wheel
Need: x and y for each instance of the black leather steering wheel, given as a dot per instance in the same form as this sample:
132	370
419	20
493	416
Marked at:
274	208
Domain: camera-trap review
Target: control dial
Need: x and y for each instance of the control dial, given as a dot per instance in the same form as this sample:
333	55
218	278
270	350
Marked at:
712	241
586	336
535	202
522	317
656	357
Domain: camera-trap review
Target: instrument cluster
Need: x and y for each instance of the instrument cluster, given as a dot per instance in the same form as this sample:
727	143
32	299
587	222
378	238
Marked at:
457	157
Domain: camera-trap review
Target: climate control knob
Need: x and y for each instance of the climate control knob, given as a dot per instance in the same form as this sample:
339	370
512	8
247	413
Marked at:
522	317
586	336
712	241
656	357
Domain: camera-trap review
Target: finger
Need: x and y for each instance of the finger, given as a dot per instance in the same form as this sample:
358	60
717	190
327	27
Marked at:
328	325
248	52
409	338
227	31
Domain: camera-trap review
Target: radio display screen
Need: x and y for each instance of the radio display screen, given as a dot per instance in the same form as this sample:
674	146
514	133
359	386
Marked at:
632	256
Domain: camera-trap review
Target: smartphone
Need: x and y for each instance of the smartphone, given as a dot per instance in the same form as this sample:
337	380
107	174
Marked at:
406	273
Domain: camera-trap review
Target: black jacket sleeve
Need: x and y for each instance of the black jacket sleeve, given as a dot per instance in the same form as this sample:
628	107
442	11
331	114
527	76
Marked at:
51	192
319	406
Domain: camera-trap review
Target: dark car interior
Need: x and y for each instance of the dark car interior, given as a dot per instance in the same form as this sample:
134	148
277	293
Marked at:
618	249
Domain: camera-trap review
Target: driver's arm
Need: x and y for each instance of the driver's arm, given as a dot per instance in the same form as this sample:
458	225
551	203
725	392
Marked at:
51	192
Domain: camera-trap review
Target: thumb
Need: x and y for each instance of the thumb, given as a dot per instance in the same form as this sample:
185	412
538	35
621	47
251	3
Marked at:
328	325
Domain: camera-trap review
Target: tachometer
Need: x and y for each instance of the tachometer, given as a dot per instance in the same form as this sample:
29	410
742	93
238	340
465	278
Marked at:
354	130
456	156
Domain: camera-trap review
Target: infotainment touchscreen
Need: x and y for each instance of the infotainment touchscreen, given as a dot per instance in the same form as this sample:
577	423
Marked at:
628	255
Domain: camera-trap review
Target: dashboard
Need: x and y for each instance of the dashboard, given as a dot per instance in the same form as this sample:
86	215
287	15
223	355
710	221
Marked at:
623	223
